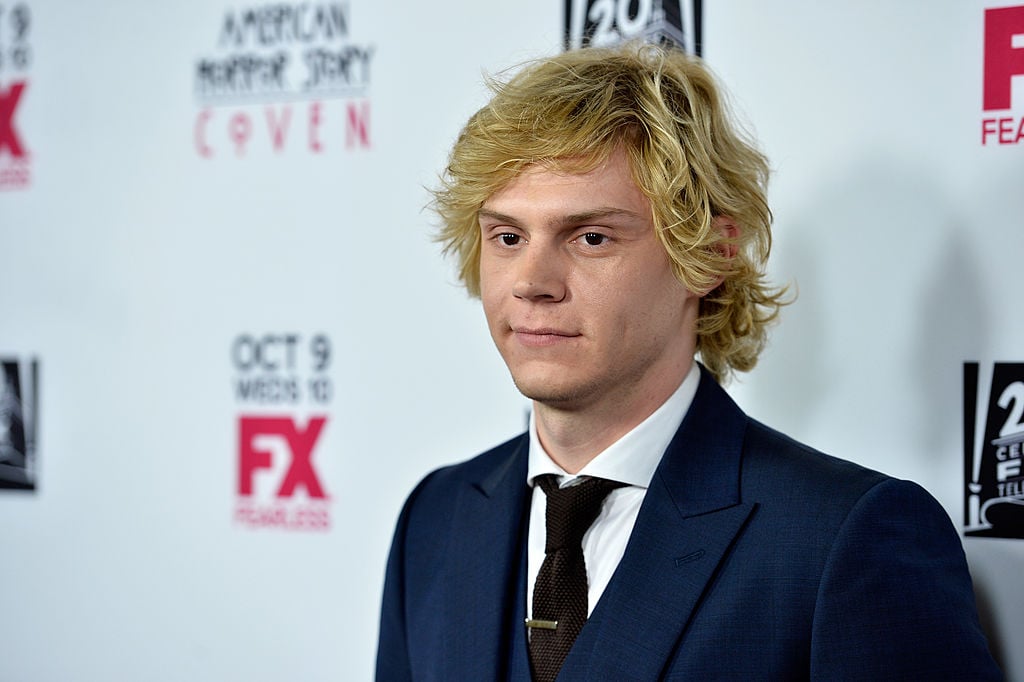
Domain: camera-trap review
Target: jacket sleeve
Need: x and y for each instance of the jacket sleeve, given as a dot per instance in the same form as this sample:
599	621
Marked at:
895	599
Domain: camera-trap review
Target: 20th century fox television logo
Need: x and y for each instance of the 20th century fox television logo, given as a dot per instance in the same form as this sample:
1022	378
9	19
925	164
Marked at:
994	450
19	402
609	22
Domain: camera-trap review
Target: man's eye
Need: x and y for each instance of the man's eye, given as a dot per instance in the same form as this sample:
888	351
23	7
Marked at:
594	239
509	239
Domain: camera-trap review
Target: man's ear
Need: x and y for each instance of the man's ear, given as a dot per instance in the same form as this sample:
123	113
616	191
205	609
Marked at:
728	245
730	234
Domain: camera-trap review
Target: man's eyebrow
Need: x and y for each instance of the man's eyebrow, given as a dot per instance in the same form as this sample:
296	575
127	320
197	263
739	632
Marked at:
580	218
598	214
494	215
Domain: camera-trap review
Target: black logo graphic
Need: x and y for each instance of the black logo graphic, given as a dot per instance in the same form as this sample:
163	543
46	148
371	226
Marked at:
284	52
608	22
993	457
18	409
301	64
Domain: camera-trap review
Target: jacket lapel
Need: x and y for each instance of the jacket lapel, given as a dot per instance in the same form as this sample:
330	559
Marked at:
485	561
689	519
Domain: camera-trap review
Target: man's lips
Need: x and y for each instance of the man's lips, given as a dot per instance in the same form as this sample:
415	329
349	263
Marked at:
542	336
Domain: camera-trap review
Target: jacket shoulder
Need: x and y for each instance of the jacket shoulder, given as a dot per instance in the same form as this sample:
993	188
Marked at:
775	462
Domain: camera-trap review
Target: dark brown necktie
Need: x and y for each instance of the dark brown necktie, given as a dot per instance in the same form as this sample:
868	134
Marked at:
560	593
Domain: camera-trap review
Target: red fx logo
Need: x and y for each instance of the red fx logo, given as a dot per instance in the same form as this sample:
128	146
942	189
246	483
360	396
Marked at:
1004	54
8	135
262	440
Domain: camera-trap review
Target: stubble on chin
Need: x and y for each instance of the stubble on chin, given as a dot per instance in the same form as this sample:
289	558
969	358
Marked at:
550	394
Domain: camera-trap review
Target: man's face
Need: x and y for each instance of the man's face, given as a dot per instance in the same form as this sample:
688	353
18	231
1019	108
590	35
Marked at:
578	291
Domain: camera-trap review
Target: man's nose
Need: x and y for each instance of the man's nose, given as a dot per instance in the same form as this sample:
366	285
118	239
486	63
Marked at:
541	274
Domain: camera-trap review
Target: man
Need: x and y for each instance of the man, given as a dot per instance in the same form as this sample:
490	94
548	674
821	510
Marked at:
614	224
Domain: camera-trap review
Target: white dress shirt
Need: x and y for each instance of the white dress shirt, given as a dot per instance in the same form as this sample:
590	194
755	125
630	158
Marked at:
632	460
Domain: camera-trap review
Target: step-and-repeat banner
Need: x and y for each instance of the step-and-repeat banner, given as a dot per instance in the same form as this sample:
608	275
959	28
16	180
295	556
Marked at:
229	346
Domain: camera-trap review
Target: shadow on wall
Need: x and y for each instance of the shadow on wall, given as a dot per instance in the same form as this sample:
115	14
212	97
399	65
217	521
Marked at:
953	326
895	293
791	374
890	302
996	237
986	614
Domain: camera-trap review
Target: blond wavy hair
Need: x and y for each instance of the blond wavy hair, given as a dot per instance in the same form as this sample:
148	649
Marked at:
686	153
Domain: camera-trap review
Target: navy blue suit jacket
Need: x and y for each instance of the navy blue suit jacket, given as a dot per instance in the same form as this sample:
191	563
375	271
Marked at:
753	558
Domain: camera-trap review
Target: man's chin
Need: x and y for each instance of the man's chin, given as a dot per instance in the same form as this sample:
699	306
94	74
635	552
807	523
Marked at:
551	394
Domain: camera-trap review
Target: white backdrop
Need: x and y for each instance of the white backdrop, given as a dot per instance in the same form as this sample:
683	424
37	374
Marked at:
131	263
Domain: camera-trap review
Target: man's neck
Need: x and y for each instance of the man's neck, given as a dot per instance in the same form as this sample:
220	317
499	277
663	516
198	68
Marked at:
572	437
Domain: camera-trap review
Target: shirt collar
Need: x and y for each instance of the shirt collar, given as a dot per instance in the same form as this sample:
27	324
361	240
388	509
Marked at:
633	458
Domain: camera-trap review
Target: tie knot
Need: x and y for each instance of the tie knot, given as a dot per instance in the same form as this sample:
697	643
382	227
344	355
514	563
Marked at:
572	510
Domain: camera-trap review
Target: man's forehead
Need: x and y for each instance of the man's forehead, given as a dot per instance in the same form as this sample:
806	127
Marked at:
540	195
568	172
579	164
